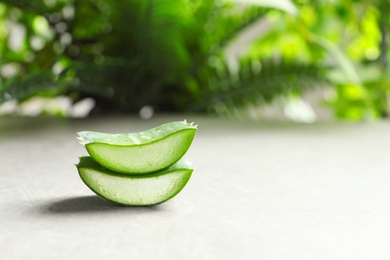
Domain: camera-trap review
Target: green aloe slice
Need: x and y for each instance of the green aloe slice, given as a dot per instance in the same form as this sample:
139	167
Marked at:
142	152
134	190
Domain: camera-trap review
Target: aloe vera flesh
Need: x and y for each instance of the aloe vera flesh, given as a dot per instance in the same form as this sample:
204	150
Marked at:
142	152
134	190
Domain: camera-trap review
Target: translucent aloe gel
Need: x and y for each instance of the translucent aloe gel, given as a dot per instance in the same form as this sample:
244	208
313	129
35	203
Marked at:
137	169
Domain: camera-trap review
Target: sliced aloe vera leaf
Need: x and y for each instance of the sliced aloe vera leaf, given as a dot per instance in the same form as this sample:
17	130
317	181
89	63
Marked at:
142	152
134	190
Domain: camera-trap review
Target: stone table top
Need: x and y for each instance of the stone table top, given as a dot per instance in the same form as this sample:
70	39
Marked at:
259	191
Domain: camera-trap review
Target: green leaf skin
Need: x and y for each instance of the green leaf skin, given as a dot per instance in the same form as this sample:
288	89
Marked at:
134	190
142	152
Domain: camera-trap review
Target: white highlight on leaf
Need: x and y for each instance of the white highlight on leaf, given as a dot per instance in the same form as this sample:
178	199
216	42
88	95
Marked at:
298	110
37	43
66	39
57	68
16	35
284	5
59	106
68	12
9	70
8	107
146	112
82	108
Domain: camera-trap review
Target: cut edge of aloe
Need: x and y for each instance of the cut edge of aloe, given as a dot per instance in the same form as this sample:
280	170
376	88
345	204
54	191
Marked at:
142	152
137	138
134	190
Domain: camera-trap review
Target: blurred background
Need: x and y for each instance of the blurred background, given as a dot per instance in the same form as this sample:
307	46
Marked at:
301	60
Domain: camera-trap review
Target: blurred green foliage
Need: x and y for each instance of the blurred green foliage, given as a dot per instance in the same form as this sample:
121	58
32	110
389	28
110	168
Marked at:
172	54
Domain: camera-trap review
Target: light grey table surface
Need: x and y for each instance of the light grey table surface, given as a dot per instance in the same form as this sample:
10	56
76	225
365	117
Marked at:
259	191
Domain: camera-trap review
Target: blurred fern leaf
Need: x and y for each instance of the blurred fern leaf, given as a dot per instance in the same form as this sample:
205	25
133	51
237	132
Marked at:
258	83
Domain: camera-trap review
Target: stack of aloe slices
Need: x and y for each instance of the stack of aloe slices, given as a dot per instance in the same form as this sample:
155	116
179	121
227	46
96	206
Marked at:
137	169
